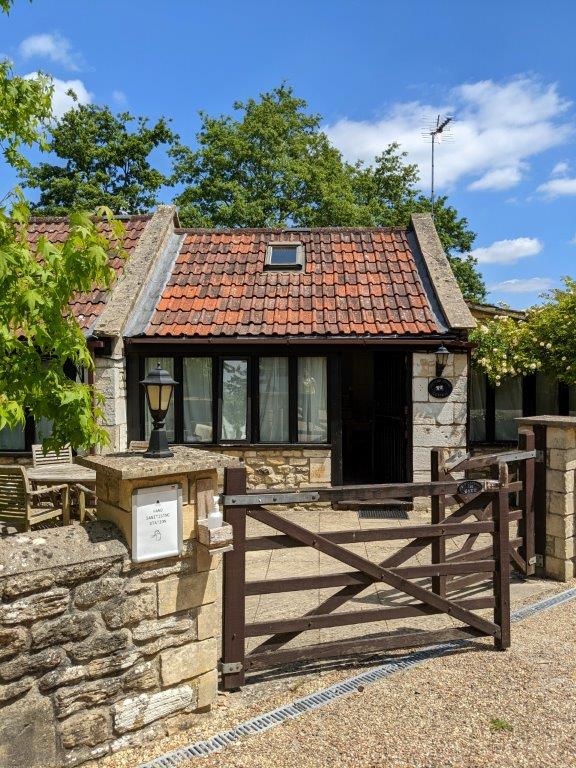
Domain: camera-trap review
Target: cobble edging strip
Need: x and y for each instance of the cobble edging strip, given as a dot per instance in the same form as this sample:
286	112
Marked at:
327	695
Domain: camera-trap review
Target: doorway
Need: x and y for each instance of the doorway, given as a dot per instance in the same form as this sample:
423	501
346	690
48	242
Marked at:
375	417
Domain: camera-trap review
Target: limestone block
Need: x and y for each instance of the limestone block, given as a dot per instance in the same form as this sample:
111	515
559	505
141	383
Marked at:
421	460
87	729
100	644
71	575
136	712
186	592
79	698
127	487
87	595
433	413
564	548
35	607
31	664
460	364
215	538
560	526
205	561
28	733
123	611
460	391
562	482
320	470
440	437
563	570
207	622
557	437
188	661
189	518
12	690
62	630
165	633
113	664
142	677
559	503
151	572
12	641
62	676
423	365
207	689
460	413
26	583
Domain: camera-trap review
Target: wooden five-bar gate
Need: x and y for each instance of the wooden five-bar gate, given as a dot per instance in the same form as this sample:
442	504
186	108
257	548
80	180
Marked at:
463	505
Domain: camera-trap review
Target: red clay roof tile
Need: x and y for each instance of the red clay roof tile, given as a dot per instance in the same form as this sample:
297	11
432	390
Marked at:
362	282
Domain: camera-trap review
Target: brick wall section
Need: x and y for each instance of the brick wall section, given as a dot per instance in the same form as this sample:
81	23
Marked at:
98	653
437	423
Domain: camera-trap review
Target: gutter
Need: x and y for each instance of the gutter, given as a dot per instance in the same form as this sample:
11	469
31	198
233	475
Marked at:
392	341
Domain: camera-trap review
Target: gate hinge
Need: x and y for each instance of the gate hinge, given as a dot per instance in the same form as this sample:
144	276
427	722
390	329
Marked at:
231	667
537	560
539	455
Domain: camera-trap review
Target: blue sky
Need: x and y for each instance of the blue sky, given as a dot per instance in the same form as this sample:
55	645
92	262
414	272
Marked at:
377	72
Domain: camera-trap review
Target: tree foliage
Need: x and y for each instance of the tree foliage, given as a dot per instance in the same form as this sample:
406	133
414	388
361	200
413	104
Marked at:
38	336
544	341
273	166
104	160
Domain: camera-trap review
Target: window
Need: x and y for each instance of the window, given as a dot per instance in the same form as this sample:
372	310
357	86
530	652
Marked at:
312	400
168	364
546	394
13	439
273	400
234	400
284	256
197	394
508	405
477	406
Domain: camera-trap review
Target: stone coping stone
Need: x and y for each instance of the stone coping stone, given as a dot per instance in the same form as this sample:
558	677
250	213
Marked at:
59	547
558	422
133	465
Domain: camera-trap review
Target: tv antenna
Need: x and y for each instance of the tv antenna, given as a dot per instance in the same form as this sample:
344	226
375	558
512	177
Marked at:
436	132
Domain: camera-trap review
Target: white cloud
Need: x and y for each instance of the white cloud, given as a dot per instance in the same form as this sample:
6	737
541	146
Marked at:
61	99
498	126
527	285
560	169
558	187
119	97
53	47
508	251
500	178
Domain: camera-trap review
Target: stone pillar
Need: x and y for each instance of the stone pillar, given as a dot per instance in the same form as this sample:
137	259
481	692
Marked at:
554	492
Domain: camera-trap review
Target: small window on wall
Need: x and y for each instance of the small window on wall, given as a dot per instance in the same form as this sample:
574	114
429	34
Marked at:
508	397
477	406
234	400
273	400
168	364
13	439
197	393
312	400
285	256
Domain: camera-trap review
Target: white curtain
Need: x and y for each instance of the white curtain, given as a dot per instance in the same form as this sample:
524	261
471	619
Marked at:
197	399
477	406
312	400
508	408
234	399
168	364
274	400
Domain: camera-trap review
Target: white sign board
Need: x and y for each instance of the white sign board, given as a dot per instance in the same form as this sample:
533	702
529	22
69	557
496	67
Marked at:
156	522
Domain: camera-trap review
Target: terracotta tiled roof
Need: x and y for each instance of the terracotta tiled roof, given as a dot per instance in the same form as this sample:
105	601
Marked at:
87	307
360	282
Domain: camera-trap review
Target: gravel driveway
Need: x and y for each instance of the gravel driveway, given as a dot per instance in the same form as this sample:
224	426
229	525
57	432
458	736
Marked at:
478	708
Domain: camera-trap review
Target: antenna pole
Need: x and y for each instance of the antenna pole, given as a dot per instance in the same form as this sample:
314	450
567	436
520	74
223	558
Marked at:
432	179
434	134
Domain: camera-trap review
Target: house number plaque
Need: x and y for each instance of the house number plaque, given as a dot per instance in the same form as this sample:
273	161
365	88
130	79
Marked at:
440	388
468	487
156	522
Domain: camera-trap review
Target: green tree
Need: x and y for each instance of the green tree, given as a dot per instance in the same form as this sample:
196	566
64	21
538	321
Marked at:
545	340
38	336
272	166
102	159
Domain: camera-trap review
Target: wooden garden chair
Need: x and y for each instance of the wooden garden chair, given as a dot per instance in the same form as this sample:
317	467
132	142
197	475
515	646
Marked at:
22	506
86	496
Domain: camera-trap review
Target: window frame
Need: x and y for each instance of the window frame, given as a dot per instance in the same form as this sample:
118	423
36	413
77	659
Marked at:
291	266
136	418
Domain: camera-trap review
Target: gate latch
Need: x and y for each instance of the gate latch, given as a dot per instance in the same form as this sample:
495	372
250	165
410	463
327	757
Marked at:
231	667
536	560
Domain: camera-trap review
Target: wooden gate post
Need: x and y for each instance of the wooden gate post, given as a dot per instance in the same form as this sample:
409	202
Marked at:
501	539
438	504
234	593
526	442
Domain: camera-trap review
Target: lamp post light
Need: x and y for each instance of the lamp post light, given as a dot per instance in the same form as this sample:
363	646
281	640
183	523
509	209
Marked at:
158	386
441	360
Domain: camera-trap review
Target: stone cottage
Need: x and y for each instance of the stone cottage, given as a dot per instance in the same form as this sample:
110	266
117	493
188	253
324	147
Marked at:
309	353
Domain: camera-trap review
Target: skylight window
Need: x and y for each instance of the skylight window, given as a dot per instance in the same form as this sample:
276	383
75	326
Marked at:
285	256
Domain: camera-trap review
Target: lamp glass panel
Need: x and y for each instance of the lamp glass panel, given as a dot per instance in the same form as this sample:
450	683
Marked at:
168	364
153	391
165	395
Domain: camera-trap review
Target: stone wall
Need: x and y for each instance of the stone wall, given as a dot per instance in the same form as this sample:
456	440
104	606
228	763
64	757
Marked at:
437	423
110	382
98	653
291	467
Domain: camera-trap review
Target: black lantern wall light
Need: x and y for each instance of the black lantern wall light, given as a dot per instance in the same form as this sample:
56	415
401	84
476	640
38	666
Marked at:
440	387
159	386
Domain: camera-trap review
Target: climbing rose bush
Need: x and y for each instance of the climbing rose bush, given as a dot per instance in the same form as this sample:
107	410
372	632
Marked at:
545	340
